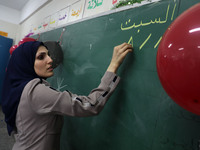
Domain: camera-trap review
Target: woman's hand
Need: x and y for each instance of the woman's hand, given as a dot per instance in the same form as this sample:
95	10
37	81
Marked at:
119	54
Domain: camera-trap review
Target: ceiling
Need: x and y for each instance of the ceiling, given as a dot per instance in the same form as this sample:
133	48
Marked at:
14	4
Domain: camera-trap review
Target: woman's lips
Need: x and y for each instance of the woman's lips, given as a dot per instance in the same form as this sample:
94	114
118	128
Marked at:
50	68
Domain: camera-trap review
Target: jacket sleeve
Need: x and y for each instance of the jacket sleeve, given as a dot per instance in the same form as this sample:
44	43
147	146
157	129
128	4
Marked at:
44	100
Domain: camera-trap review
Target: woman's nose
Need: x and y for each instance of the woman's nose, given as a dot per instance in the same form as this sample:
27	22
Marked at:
50	60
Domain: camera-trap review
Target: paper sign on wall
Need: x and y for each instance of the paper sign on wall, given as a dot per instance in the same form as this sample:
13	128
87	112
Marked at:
45	23
93	7
114	2
63	16
40	29
76	11
3	33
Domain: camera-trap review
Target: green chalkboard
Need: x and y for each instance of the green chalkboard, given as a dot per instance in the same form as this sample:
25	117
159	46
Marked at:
139	115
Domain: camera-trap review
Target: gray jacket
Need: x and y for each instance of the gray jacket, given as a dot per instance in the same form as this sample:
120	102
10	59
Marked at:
41	109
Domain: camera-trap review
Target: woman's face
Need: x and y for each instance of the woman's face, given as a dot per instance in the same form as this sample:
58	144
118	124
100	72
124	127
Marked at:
43	63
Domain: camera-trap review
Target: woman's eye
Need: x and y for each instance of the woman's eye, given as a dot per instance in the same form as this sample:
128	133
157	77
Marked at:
40	57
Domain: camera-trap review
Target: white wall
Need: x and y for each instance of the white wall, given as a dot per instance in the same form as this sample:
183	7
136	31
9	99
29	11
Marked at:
50	8
47	10
30	7
9	21
9	15
54	6
10	28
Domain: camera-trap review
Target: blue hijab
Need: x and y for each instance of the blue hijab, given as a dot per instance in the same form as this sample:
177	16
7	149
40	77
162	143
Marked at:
20	71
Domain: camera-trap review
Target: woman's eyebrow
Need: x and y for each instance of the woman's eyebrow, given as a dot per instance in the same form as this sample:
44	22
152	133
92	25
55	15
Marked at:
41	53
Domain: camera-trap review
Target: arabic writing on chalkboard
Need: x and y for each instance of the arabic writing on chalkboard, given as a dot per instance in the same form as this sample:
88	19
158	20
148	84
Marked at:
126	26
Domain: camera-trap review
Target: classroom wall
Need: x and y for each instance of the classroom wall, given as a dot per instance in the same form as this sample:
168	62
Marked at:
76	10
47	9
9	15
14	22
31	7
11	28
9	21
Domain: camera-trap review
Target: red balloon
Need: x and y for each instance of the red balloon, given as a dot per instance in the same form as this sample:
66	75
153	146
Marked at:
178	60
26	39
12	49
